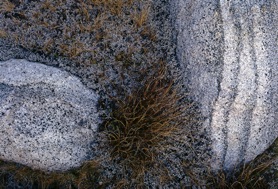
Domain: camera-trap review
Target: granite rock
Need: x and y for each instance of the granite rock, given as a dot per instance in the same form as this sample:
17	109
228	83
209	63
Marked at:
47	116
228	50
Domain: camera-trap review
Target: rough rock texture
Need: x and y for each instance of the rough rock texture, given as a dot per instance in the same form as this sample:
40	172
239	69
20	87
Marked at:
229	53
47	116
139	48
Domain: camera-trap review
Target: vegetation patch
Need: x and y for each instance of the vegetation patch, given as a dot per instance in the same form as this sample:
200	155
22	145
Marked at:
245	177
148	121
260	173
143	119
14	175
86	31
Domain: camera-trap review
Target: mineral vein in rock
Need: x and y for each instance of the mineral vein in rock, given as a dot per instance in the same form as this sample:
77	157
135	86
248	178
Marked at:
229	53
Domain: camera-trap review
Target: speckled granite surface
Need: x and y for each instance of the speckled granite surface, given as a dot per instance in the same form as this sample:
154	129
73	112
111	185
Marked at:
229	53
47	116
206	47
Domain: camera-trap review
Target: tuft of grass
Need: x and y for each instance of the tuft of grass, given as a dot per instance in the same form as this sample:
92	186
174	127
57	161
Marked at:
149	32
47	5
93	18
114	6
6	6
84	177
249	176
140	17
3	34
142	120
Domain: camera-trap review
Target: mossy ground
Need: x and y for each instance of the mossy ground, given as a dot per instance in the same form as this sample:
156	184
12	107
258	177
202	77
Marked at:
113	45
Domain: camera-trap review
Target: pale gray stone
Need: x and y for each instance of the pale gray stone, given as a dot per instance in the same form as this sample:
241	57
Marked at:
47	116
229	53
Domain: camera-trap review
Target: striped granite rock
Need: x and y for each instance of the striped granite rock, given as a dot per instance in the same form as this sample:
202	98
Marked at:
229	53
47	116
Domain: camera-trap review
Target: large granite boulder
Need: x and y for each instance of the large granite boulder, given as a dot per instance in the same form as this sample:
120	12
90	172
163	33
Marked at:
229	53
47	116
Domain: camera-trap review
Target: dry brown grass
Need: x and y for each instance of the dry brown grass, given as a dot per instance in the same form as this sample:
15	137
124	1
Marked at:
83	178
115	7
142	120
3	34
88	24
140	17
48	5
6	6
259	173
249	176
149	33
